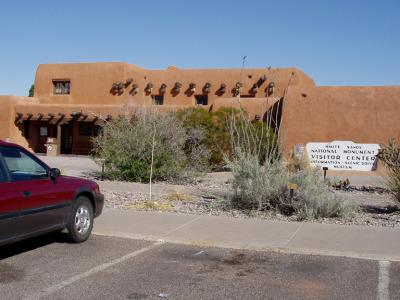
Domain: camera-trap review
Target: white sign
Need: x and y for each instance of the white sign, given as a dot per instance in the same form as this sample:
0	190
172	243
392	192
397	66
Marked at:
343	155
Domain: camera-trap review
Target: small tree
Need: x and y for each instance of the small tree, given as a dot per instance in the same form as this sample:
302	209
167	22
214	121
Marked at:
31	91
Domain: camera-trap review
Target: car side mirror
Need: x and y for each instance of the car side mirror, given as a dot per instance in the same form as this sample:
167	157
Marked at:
54	173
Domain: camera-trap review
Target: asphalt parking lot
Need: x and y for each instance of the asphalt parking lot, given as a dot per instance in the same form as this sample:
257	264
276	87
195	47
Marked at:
113	268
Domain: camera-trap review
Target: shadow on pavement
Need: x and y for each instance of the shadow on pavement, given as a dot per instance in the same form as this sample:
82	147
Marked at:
373	209
32	244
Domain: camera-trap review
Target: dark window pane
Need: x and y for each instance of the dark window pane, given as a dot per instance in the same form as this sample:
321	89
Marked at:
158	99
85	128
201	99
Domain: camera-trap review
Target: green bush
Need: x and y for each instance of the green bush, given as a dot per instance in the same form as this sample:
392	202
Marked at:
258	186
224	130
390	156
125	146
216	135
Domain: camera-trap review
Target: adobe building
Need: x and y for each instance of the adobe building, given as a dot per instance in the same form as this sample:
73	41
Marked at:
72	100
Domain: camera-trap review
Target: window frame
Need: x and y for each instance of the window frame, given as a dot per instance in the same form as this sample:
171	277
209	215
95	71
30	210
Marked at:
63	81
4	165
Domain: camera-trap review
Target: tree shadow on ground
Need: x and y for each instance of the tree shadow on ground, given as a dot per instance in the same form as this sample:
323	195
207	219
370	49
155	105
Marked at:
373	209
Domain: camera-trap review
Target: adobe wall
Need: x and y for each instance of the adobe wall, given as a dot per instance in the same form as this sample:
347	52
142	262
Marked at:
253	106
8	129
91	83
324	114
6	103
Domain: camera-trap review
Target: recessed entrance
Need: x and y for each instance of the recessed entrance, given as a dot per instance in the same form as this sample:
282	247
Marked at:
66	138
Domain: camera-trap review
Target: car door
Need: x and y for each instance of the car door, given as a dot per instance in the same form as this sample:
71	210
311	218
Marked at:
10	200
44	204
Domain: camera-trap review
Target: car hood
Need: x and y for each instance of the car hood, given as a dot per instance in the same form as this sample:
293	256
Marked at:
77	180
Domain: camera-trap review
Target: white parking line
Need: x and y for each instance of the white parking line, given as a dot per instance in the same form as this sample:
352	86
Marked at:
180	227
50	290
293	235
383	280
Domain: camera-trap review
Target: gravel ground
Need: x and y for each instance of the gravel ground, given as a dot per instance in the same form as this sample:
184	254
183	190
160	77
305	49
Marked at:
204	196
375	207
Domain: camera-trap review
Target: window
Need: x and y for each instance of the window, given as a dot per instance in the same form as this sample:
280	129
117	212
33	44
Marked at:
62	87
201	99
85	128
22	166
43	131
158	99
3	177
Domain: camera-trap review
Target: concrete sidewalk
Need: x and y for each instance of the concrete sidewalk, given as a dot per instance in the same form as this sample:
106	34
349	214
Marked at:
376	243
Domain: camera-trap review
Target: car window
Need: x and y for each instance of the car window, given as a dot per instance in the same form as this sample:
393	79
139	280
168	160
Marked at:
21	165
3	177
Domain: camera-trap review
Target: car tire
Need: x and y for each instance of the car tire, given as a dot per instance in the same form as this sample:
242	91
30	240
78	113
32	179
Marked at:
80	222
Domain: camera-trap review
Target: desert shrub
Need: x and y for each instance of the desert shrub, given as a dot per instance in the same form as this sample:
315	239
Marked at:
390	156
314	198
125	147
264	186
261	176
254	186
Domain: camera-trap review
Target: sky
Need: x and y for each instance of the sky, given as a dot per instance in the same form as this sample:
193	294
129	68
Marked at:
336	42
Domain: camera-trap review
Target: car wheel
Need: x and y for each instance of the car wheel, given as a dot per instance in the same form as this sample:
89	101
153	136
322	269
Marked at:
80	223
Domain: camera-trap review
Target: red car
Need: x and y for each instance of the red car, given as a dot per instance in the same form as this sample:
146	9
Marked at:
36	199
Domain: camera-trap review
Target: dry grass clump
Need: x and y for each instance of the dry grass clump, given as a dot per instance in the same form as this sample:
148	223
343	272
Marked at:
178	195
152	205
295	163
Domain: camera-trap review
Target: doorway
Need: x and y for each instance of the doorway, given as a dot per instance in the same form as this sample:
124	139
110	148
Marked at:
66	138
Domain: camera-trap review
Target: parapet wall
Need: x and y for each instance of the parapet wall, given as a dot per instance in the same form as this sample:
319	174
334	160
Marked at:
91	83
325	114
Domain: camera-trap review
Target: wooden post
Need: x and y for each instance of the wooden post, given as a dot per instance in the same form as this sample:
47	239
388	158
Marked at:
58	139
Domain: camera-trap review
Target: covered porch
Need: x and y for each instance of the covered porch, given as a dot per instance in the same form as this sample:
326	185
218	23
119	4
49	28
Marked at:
67	129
